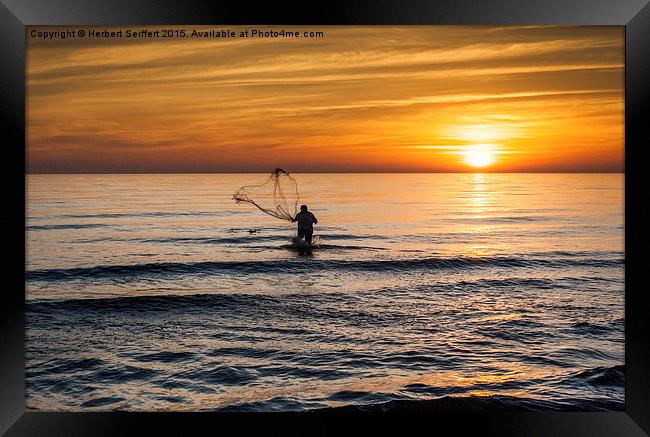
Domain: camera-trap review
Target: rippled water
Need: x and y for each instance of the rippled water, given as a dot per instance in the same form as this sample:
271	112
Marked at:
158	292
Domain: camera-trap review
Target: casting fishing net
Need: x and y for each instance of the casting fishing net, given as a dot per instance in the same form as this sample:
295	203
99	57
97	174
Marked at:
278	196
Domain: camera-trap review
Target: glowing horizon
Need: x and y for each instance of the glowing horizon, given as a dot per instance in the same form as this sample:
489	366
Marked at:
360	99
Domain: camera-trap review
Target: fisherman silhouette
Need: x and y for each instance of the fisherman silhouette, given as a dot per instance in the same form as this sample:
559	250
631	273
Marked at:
306	221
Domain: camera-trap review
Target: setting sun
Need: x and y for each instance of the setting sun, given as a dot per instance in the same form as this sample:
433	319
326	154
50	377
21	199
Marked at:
479	156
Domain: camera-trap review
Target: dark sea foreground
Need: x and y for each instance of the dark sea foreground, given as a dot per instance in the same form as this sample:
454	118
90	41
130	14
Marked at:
426	292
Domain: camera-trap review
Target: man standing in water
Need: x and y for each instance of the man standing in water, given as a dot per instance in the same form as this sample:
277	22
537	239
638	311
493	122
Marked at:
306	221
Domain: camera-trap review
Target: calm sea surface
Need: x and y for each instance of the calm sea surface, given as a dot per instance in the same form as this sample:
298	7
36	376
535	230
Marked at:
158	292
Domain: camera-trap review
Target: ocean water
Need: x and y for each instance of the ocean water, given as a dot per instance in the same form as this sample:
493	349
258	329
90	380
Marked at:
158	292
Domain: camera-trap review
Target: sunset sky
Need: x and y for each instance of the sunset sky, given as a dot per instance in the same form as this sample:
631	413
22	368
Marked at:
365	98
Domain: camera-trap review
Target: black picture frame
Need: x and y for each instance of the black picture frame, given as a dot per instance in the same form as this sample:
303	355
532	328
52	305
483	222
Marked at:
633	14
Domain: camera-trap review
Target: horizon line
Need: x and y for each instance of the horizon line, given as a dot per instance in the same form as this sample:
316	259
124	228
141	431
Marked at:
327	172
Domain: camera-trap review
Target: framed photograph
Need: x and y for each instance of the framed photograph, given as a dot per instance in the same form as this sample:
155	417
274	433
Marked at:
354	212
